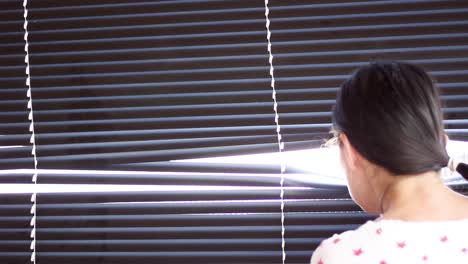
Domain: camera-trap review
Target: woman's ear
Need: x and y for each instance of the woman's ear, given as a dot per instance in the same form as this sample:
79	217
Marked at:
348	152
353	158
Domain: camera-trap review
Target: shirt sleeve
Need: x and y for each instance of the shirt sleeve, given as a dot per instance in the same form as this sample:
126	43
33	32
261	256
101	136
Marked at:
326	252
347	247
318	255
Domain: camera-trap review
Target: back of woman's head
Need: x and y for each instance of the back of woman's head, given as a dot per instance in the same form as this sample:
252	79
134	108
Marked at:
391	114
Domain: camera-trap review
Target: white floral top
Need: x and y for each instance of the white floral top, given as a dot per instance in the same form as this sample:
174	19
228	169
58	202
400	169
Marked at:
393	241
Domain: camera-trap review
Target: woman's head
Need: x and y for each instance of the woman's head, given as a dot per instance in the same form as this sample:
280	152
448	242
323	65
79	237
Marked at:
390	115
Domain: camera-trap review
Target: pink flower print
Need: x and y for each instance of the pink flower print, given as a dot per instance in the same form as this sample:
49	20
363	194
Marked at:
424	258
443	239
358	252
401	244
378	231
383	262
320	261
336	241
464	250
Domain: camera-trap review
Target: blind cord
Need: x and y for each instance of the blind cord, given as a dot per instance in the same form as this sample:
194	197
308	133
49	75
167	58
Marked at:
278	130
33	135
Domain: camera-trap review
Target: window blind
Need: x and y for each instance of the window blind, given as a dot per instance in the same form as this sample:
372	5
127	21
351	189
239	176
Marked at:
120	83
14	141
133	85
318	45
137	82
203	223
210	224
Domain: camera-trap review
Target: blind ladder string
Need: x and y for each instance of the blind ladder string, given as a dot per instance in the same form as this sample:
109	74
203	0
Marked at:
278	130
33	135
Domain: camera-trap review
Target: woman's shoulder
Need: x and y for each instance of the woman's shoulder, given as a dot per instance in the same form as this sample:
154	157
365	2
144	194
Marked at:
384	240
340	247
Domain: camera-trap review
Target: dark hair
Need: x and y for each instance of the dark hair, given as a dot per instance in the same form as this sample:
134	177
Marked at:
391	113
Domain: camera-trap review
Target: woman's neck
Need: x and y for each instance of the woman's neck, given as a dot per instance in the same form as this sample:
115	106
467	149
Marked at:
422	197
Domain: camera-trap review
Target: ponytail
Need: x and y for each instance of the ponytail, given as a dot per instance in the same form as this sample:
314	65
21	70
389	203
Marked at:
462	168
459	167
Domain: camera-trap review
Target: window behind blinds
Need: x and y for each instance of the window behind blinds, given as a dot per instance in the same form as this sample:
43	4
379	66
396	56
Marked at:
205	222
120	83
133	85
174	224
14	140
318	45
125	82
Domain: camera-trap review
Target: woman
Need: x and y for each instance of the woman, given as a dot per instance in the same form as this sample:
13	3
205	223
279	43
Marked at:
388	124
